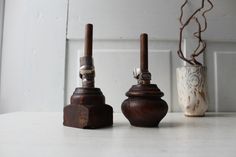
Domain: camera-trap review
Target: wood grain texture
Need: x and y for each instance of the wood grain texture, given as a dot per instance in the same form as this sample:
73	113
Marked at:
144	106
87	108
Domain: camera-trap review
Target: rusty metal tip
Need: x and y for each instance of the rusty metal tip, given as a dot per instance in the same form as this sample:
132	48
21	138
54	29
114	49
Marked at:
89	25
88	41
144	35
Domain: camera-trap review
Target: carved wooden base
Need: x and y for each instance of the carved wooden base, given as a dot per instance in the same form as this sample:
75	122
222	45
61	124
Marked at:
88	110
144	107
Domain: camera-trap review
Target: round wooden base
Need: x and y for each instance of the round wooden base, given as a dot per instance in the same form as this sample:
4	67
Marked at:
144	107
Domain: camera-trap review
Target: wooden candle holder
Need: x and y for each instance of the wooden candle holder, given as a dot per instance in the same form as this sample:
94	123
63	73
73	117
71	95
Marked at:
144	106
87	107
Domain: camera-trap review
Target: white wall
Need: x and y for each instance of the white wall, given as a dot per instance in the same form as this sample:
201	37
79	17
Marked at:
220	62
126	19
33	56
1	29
114	64
117	26
37	62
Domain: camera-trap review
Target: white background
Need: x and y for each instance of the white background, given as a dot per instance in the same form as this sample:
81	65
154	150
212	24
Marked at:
42	41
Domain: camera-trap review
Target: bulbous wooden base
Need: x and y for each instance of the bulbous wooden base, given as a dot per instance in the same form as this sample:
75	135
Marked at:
88	110
144	107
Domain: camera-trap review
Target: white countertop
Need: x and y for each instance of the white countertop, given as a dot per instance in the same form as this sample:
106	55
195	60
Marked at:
35	134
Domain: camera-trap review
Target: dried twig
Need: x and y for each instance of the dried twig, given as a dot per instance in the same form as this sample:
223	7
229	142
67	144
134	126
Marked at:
198	34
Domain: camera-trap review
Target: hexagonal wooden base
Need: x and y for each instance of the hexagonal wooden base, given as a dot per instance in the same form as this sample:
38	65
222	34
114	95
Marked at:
88	117
88	110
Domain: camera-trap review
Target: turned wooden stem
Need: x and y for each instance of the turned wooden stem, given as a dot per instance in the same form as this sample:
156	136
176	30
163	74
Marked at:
144	52
88	41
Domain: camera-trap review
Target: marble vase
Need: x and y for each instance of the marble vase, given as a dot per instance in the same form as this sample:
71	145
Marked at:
192	90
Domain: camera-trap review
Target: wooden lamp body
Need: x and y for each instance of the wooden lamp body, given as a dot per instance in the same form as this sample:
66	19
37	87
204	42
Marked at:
88	110
144	106
87	107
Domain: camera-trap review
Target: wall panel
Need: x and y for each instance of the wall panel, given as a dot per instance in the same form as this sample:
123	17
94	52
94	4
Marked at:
33	56
2	4
126	19
115	61
41	72
225	76
220	64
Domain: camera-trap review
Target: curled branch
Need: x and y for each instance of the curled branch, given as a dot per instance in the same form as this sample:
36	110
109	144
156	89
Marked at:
198	34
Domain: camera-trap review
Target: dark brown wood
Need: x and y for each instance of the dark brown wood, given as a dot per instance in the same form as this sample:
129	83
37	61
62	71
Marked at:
88	44
144	52
87	108
199	17
144	106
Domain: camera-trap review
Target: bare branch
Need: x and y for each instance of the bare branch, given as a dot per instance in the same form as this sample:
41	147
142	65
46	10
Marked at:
198	34
182	12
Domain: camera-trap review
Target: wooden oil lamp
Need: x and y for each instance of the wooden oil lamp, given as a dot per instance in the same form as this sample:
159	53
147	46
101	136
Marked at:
144	106
87	107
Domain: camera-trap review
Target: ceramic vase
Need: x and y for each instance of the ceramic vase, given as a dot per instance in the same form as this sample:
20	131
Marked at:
192	90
